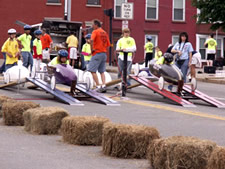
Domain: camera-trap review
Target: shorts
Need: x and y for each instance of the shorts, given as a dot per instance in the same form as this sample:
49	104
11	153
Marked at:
196	60
97	63
73	53
46	54
210	56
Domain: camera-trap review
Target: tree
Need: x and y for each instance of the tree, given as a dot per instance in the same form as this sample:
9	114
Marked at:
212	12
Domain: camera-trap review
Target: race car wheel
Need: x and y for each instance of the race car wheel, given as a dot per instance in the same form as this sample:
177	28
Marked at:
193	84
88	83
136	69
53	82
6	78
161	83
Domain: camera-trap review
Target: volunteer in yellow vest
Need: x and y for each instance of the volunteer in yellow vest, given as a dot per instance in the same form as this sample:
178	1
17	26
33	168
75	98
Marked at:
86	50
125	44
211	49
37	50
72	44
148	50
25	41
11	49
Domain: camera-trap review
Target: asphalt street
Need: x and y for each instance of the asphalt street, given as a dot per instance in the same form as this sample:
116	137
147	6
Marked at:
21	150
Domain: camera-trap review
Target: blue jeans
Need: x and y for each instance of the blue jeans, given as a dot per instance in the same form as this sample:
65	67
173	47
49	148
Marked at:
121	66
10	65
2	68
27	60
184	68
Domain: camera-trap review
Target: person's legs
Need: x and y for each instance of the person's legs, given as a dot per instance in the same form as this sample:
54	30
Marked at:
184	69
25	59
2	68
129	66
120	67
93	67
102	67
30	60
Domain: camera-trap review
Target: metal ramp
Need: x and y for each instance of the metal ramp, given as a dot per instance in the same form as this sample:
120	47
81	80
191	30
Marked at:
201	96
154	87
65	98
98	96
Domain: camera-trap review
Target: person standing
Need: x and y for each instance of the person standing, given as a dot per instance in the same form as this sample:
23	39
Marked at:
11	49
25	41
86	50
183	50
46	46
211	45
72	44
37	49
148	50
99	44
125	44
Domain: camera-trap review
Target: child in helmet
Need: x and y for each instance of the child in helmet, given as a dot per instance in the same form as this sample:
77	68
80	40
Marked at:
86	50
11	49
148	50
62	58
37	50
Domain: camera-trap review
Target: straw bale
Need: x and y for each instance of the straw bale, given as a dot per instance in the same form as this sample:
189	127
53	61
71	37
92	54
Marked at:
13	112
180	152
127	141
217	159
44	120
2	100
83	130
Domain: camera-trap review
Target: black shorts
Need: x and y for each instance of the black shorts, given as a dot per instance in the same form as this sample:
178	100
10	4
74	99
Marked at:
210	56
149	56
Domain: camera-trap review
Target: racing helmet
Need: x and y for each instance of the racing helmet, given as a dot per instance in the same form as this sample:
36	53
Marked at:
149	37
88	36
63	53
168	57
27	27
38	32
12	31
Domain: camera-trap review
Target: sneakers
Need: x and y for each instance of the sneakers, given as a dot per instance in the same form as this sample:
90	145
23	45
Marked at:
101	90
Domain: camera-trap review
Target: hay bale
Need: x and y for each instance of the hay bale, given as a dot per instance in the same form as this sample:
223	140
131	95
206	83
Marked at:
2	100
83	130
44	120
180	152
127	141
13	112
217	159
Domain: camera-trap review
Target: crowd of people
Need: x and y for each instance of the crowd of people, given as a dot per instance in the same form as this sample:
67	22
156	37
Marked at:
95	51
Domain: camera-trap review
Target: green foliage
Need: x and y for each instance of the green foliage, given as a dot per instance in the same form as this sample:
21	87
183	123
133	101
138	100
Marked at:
212	11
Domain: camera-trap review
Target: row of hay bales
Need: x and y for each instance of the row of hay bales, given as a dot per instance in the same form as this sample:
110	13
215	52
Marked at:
117	140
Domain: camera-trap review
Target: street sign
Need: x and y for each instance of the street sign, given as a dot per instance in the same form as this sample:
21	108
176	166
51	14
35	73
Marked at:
127	11
125	24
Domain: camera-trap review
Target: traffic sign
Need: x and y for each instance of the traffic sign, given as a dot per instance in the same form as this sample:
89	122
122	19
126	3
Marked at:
127	11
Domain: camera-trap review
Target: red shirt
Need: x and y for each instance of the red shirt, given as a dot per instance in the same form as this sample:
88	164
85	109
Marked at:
46	41
100	41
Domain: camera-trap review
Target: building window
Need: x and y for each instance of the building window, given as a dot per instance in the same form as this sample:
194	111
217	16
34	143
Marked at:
93	2
53	1
152	9
202	49
117	7
178	10
175	39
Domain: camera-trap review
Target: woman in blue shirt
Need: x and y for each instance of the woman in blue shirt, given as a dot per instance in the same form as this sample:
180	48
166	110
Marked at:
183	50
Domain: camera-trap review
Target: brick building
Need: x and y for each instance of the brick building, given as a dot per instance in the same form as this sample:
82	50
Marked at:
162	19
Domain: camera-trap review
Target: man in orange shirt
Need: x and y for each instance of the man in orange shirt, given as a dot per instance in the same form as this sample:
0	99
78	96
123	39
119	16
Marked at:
46	46
99	44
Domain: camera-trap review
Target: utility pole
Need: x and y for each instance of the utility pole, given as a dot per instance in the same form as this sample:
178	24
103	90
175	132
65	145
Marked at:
110	13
